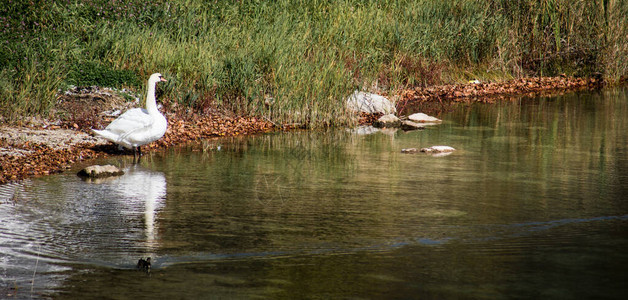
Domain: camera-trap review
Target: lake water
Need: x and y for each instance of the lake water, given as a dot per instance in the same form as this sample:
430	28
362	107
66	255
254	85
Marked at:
532	205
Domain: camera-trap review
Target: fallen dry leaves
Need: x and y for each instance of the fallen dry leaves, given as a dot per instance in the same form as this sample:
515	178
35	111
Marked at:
40	160
196	128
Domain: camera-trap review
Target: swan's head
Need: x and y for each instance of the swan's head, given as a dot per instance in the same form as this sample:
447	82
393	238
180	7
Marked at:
157	77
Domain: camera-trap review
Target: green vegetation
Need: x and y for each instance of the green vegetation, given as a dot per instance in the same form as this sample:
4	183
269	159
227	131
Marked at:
307	55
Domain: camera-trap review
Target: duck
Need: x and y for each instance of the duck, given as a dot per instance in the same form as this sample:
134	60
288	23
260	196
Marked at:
143	265
138	126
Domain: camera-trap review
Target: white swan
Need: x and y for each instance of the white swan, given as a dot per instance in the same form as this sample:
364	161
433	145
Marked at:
138	126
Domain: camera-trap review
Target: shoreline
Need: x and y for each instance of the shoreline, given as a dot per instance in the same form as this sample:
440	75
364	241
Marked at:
489	92
30	151
45	148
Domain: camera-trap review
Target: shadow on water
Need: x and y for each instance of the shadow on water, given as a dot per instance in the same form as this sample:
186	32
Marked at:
531	205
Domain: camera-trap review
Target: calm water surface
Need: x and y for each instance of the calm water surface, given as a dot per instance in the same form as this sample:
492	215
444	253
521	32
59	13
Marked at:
534	204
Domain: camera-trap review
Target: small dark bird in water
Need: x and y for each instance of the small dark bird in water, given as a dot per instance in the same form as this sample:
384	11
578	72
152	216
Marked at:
144	265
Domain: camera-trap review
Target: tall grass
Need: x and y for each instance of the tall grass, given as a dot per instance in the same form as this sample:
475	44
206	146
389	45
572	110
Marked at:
296	60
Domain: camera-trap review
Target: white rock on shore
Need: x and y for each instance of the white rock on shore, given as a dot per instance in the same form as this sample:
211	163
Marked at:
370	103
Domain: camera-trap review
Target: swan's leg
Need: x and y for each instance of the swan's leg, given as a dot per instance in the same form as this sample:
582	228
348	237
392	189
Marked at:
135	149
139	150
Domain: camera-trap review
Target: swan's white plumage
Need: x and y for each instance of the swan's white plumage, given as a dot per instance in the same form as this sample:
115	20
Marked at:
138	126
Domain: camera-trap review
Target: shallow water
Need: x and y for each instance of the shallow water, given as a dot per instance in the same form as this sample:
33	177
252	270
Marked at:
532	205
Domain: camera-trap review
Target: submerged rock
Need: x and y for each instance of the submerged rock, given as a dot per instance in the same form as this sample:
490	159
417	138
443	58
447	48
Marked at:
98	171
409	150
370	103
438	149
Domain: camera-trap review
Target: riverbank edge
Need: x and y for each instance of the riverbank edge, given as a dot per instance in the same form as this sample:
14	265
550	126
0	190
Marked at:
30	154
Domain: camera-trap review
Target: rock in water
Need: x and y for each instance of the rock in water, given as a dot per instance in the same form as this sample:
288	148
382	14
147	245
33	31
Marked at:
423	118
370	103
409	150
388	120
438	149
97	171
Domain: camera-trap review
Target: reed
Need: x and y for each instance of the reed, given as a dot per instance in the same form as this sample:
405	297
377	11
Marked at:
294	61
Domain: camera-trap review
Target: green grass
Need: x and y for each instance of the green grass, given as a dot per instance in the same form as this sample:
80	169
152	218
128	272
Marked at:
305	55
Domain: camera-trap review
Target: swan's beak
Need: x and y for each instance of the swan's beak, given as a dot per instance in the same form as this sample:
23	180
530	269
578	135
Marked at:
162	79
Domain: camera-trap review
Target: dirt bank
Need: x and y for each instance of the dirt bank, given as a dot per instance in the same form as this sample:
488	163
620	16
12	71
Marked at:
41	147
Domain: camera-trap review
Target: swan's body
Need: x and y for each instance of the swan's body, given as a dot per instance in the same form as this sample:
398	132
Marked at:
138	126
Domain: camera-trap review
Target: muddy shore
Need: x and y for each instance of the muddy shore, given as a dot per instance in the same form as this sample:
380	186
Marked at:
42	147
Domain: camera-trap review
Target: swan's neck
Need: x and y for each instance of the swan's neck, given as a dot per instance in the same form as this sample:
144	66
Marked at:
151	103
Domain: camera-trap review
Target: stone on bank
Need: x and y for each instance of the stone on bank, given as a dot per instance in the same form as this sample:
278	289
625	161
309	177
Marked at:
369	103
388	120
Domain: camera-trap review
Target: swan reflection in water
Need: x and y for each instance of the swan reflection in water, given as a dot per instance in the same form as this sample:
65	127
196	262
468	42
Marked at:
143	186
139	189
46	225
